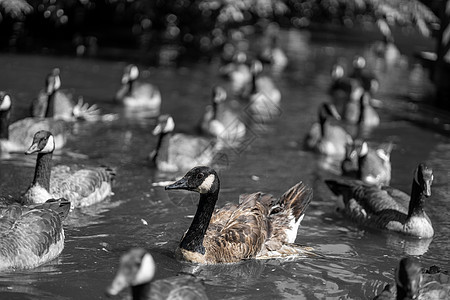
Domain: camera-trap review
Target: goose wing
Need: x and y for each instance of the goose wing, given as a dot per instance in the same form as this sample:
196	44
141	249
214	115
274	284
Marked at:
237	233
29	236
78	182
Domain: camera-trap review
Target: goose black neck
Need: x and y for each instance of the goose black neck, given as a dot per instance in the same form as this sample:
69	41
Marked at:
402	294
417	201
215	106
193	240
141	291
362	107
322	122
4	124
49	113
361	160
163	146
43	170
254	75
130	86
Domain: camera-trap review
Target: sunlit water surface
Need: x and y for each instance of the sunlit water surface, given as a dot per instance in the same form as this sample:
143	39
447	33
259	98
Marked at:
359	261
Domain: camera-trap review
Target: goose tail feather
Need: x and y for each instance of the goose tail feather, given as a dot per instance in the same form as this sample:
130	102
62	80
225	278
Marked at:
297	199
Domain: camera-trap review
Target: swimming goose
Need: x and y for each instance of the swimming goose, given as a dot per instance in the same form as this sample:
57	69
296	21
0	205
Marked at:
179	151
260	227
263	96
368	116
326	138
368	79
413	283
31	235
387	208
238	72
137	269
54	103
274	55
82	186
367	164
135	94
219	120
16	137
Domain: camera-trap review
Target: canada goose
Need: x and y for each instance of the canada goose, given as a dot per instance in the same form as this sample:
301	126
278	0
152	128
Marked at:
412	282
16	137
367	164
260	227
238	72
273	54
135	94
54	103
31	235
219	120
137	269
179	151
326	138
368	116
387	208
264	98
82	186
368	79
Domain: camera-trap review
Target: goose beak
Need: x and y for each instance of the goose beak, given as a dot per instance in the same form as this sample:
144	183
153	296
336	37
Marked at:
119	283
181	184
33	149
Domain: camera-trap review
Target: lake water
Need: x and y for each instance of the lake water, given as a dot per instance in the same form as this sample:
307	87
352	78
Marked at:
359	261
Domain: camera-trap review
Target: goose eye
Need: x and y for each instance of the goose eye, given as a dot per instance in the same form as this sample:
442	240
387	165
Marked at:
200	175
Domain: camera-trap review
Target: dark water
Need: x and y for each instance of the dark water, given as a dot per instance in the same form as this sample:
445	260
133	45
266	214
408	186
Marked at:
360	262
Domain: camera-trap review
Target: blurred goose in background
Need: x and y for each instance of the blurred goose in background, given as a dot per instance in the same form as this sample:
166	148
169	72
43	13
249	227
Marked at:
54	103
179	151
260	227
135	94
220	120
326	138
368	116
273	54
238	72
368	79
31	235
82	186
16	137
137	270
412	282
387	208
263	96
367	164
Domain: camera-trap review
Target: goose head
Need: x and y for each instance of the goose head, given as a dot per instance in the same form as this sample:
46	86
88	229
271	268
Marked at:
327	110
53	81
423	177
219	95
43	142
130	73
5	102
203	180
165	125
337	71
408	278
359	62
137	267
256	68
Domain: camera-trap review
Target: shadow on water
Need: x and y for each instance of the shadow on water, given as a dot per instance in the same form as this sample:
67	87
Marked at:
141	213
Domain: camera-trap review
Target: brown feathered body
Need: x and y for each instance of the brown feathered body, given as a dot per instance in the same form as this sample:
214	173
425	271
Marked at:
260	227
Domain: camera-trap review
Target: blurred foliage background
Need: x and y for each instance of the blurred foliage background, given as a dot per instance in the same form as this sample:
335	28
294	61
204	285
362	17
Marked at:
198	27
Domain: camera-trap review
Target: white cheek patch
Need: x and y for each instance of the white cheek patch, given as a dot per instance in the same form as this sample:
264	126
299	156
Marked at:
6	103
50	146
134	73
364	149
146	271
57	82
206	184
170	125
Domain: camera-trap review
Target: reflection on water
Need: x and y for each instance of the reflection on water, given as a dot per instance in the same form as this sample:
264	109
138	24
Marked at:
358	263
